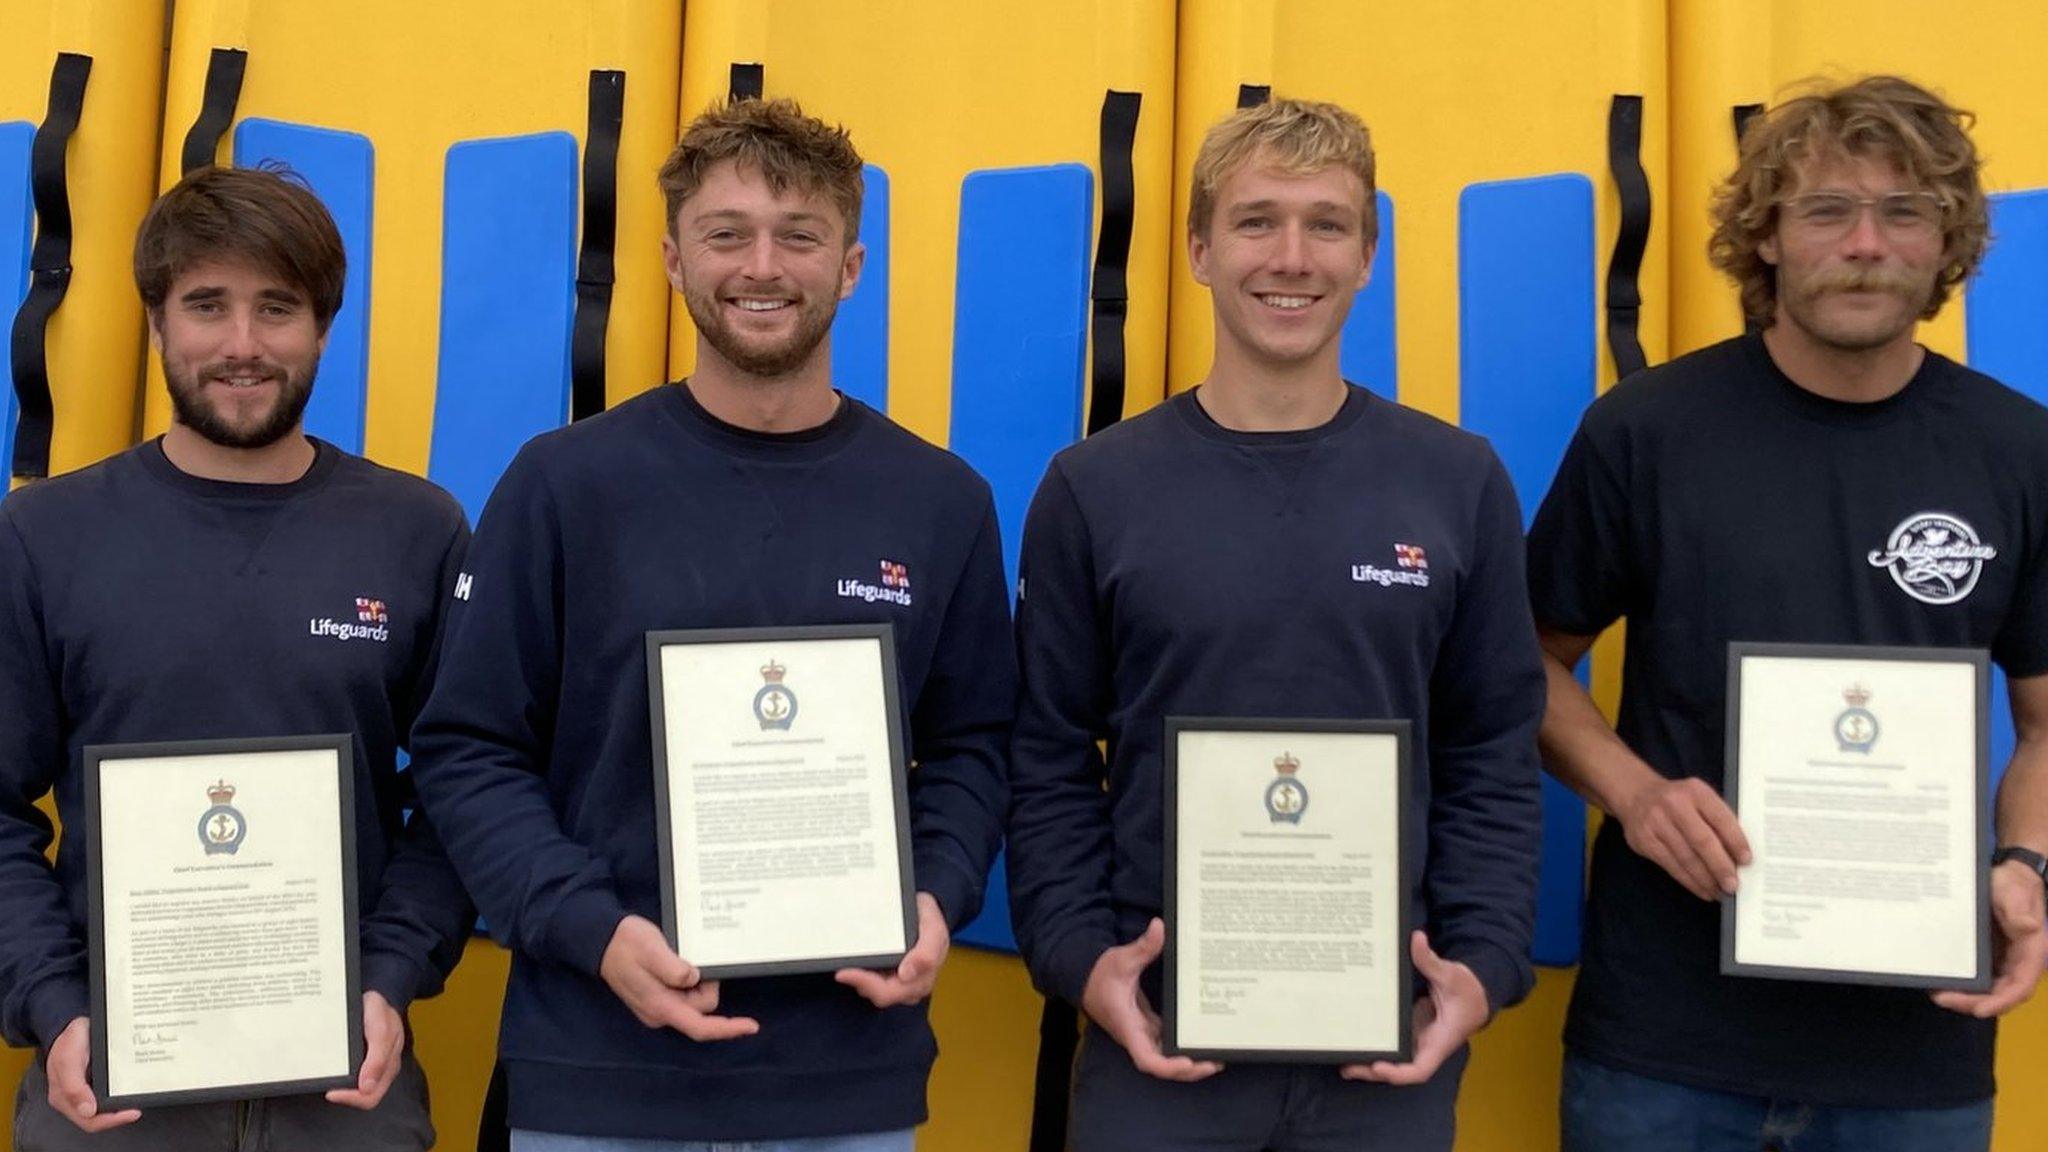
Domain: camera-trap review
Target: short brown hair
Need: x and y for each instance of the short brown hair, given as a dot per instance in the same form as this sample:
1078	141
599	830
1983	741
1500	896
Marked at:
1878	117
264	216
1297	136
775	138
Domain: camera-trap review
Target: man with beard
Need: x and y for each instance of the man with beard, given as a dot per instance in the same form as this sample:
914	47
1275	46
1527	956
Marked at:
174	592
1755	491
751	494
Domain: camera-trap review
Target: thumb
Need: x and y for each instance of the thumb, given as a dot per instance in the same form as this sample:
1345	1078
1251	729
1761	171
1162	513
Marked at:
1427	961
1149	944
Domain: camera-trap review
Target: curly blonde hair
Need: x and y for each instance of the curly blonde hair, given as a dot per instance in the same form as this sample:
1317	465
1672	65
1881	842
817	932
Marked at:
1879	117
1300	137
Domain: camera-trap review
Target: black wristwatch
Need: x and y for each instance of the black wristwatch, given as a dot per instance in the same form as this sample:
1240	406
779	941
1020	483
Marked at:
2035	862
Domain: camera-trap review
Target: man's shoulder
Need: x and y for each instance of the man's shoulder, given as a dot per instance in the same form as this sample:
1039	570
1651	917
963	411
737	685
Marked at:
1125	443
396	492
911	457
1993	406
62	500
1676	392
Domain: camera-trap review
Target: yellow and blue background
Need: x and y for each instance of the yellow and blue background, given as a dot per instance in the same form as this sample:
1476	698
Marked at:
450	141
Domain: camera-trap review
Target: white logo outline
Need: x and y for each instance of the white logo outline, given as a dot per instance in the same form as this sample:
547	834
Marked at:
1935	557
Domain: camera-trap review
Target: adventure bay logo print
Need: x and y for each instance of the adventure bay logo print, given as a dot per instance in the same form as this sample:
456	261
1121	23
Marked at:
1934	557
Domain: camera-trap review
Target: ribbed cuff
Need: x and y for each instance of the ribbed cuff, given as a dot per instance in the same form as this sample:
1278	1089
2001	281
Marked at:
1505	976
391	976
582	929
55	1004
959	896
1067	964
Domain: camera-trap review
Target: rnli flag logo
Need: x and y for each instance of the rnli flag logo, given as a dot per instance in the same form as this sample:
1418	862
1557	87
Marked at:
895	575
370	611
1411	556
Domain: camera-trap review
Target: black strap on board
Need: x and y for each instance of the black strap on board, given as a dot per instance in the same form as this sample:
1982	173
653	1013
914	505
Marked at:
224	71
1624	267
596	260
1109	292
49	265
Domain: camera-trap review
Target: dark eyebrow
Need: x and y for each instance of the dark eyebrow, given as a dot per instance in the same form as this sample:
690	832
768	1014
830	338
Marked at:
281	295
1269	205
201	294
736	214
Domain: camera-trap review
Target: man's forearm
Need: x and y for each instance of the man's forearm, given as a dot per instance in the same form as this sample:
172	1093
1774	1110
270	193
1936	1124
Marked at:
1581	749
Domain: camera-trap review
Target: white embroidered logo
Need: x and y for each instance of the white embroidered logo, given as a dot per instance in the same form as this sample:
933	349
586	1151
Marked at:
1411	568
1935	557
462	586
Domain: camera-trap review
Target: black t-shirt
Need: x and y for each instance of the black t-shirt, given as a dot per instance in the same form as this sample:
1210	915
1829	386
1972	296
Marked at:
1713	500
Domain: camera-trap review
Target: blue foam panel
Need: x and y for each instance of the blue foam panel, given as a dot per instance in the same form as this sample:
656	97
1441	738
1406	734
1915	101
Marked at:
17	219
1020	340
2005	326
1366	350
508	299
340	168
860	333
1527	362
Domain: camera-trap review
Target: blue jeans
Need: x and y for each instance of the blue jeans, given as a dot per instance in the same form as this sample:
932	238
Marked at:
1605	1110
527	1140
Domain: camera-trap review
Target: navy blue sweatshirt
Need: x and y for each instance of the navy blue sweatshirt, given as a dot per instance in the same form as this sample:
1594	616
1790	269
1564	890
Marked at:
535	753
1369	568
139	603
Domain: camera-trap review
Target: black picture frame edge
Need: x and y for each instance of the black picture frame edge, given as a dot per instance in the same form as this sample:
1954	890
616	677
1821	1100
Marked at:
899	767
1979	660
1403	732
91	757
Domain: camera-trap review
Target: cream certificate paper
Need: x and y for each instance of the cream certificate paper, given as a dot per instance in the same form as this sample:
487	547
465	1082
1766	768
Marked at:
785	815
1858	782
1287	910
224	921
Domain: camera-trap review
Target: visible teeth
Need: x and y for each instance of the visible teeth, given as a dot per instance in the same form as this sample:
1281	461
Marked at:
761	305
1288	301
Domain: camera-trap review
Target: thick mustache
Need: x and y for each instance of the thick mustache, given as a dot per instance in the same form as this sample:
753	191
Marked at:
1862	280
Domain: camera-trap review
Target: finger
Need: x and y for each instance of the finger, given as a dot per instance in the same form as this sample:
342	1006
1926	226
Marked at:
876	989
1179	1068
703	1027
98	1124
1427	961
1707	848
1676	857
675	971
2018	908
703	996
1721	818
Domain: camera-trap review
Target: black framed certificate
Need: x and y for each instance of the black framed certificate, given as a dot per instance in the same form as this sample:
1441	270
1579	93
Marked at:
1860	776
781	797
221	888
1287	882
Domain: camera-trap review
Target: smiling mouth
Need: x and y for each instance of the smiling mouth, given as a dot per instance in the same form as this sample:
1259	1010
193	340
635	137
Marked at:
240	383
1284	303
752	305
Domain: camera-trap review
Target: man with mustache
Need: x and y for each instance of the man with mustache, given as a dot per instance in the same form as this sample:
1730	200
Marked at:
1827	480
751	494
175	592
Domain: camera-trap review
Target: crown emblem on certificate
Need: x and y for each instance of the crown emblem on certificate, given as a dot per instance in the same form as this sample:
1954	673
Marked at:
774	704
1286	796
1856	726
221	827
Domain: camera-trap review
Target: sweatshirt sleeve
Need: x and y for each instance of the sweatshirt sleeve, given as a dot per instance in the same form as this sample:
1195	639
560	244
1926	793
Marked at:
42	952
1060	830
414	936
960	734
1485	816
481	745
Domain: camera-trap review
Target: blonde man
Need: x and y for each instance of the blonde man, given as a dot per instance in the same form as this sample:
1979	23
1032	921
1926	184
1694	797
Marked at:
1762	490
1223	555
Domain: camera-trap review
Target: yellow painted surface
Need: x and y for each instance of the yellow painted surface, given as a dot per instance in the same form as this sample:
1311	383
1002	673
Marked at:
1453	96
932	91
1983	55
416	78
95	341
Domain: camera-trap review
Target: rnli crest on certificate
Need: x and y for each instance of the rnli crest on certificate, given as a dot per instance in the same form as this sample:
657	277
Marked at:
1856	727
222	827
1286	796
774	704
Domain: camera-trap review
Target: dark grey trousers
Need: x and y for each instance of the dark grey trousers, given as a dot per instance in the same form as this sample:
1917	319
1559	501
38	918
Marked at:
1255	1108
280	1124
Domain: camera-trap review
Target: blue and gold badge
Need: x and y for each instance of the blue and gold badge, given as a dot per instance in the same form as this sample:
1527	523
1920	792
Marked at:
1856	728
221	828
1286	796
774	704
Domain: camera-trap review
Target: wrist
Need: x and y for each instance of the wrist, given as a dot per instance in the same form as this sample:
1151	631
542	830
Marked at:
2035	863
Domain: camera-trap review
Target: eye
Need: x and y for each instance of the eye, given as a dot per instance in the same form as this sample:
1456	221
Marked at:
1330	227
1825	209
1254	223
802	239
